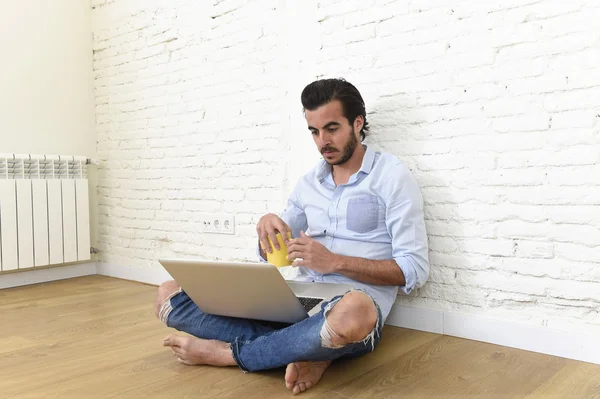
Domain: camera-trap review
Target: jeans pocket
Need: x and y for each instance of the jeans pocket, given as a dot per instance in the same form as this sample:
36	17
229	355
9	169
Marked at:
362	214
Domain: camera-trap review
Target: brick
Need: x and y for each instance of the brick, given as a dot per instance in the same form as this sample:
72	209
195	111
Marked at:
442	244
450	162
574	119
512	105
506	177
493	105
572	100
575	176
457	229
459	261
351	35
577	252
578	290
577	155
521	123
574	214
567	43
575	233
521	229
534	249
488	247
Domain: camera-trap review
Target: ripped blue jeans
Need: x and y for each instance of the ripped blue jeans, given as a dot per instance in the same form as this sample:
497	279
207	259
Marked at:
260	345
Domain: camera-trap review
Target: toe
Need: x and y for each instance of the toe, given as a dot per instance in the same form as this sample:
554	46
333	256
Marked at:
291	375
170	340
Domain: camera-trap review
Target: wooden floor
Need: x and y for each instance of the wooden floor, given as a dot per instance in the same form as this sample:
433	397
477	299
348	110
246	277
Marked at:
96	337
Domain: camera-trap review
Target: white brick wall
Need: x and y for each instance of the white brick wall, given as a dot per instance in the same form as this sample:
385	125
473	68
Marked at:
493	105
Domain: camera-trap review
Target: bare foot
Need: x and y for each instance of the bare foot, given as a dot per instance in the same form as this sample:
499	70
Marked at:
301	376
193	351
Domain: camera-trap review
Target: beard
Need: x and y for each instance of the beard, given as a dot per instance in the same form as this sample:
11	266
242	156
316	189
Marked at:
347	152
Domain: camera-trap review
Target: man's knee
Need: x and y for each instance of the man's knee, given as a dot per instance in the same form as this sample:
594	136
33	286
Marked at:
165	290
352	319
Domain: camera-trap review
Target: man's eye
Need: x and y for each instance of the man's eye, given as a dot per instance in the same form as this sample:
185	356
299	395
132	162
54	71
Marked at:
331	129
314	132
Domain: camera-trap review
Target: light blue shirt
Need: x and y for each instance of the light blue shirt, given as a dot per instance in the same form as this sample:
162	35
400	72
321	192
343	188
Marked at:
377	215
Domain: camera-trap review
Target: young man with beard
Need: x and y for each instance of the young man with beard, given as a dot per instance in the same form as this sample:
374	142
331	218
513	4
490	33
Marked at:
365	212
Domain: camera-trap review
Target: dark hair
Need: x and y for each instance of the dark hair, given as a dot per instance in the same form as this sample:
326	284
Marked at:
321	92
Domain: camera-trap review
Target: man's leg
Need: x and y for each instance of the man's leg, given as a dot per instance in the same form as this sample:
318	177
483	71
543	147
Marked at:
347	326
175	309
351	320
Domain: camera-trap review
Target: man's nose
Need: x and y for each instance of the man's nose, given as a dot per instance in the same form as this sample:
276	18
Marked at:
323	140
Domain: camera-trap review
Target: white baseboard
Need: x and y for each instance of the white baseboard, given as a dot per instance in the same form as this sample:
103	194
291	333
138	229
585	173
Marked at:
539	339
36	276
148	275
416	319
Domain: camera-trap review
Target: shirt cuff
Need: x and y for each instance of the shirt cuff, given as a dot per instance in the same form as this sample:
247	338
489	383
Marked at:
410	275
260	258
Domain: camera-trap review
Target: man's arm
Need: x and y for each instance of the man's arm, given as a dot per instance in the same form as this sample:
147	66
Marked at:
314	255
405	223
292	219
378	272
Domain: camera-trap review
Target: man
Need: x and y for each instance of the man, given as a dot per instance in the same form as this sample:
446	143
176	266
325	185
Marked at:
365	212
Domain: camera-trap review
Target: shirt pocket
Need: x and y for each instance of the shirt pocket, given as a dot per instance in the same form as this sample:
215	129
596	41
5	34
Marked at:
362	213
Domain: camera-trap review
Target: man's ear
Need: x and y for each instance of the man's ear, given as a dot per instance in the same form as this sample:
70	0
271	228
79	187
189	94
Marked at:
359	122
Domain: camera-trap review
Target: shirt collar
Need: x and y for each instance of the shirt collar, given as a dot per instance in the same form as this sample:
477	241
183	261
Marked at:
366	166
368	160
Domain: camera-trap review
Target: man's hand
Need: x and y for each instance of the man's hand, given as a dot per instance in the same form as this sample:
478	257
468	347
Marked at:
268	226
314	255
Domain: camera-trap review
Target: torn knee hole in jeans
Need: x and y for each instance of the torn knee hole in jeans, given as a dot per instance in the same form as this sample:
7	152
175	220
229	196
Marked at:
328	335
166	308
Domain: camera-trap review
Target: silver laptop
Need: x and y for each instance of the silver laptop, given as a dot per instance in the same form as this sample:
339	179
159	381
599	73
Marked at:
249	290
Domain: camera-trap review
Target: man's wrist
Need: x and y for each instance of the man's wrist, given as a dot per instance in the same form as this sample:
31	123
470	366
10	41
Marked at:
339	263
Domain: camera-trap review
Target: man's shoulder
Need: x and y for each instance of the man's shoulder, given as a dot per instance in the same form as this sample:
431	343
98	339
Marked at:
316	170
392	176
387	162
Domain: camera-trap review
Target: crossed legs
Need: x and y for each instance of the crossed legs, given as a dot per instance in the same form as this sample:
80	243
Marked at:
350	320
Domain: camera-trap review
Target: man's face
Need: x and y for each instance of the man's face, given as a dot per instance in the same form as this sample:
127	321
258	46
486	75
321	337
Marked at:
334	136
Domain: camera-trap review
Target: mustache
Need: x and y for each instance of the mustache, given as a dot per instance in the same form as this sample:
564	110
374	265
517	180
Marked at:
328	149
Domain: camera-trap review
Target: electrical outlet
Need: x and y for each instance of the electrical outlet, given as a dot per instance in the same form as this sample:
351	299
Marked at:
228	224
218	224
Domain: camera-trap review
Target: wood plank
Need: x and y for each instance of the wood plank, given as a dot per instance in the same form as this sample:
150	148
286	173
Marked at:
328	395
97	336
576	378
202	382
461	368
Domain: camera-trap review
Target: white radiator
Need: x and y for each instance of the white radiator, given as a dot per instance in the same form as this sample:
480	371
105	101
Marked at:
44	210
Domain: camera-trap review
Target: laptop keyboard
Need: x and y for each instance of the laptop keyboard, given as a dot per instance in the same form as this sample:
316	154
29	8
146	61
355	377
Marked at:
309	302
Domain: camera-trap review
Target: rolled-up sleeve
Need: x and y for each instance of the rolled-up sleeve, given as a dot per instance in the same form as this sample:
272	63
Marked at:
405	222
293	215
